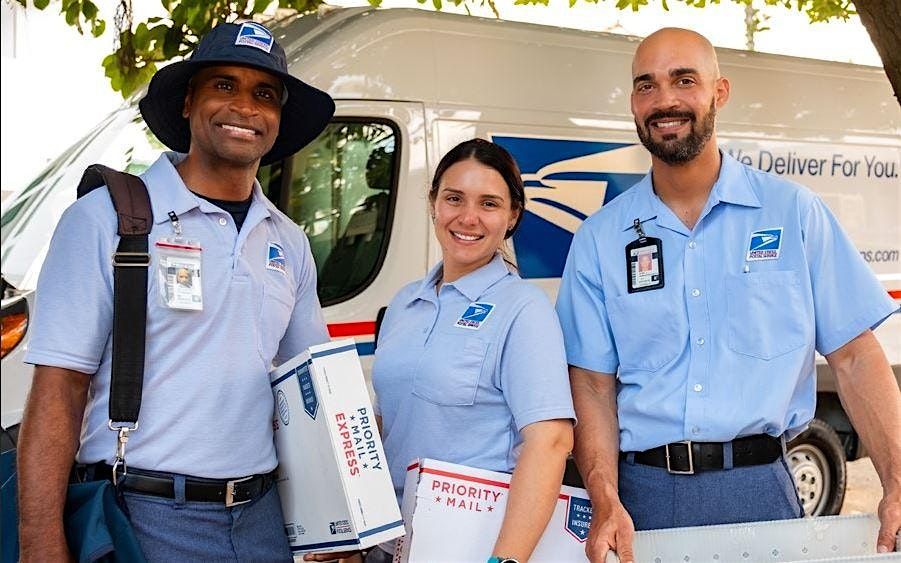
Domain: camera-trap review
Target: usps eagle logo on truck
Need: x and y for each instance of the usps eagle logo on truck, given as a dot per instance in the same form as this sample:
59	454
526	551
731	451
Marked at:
566	181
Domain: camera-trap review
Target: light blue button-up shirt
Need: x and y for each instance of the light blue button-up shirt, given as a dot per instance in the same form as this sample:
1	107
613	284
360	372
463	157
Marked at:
726	347
207	406
460	372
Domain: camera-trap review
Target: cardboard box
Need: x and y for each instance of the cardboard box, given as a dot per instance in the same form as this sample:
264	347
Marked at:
454	513
333	479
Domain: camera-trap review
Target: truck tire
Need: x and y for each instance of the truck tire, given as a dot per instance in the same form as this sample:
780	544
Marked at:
817	462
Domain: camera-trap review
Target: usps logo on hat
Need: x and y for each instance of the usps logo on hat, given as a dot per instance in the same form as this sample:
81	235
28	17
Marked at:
474	315
765	244
255	35
276	258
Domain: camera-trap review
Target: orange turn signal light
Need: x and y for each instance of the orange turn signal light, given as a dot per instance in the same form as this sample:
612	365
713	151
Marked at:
13	330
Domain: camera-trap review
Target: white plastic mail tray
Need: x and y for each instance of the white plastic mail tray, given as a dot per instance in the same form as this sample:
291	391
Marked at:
828	538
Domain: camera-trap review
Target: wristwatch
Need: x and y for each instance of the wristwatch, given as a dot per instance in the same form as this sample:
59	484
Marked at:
499	559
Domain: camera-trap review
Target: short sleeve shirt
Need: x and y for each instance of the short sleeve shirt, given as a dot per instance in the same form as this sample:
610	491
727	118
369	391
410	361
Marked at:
207	406
460	372
726	347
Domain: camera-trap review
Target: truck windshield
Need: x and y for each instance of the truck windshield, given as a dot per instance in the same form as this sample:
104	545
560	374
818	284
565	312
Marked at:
121	141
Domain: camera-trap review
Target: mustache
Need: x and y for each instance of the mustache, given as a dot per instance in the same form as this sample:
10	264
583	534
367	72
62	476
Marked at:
671	114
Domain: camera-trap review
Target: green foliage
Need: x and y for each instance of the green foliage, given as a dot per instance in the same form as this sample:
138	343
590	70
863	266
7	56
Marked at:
141	47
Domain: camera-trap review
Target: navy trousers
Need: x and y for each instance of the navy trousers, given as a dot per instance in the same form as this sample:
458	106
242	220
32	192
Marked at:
656	499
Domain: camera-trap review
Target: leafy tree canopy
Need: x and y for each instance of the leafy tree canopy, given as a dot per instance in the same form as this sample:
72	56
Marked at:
140	47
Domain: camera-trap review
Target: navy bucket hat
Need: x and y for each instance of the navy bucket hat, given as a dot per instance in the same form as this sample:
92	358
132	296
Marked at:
305	112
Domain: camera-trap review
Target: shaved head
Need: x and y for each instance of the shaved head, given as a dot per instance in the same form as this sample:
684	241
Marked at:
676	93
675	44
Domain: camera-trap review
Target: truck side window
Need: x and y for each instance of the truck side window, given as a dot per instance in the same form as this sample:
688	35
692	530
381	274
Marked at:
340	189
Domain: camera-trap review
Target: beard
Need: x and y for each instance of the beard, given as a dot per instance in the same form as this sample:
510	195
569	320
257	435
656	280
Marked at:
674	151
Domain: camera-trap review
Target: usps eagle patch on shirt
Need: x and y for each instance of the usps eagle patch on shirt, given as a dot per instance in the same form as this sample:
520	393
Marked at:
765	244
275	260
254	35
474	315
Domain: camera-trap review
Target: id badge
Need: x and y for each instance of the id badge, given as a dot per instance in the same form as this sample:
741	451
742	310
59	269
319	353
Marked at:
644	264
179	274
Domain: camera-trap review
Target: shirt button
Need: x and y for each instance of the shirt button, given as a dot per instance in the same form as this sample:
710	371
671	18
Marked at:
695	292
700	341
692	244
695	430
698	387
223	221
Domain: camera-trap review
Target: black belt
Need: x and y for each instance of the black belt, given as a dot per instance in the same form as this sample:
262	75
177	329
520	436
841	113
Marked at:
689	457
230	492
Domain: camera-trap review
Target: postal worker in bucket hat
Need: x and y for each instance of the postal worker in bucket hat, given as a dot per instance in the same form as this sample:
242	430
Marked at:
305	110
201	468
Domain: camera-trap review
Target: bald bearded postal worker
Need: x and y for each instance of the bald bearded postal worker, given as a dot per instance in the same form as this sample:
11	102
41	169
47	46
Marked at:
689	376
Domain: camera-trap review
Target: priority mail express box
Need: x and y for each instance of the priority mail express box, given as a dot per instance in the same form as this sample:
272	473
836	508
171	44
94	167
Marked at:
453	513
333	480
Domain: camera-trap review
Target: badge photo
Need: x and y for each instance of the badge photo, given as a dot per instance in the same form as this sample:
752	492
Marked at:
179	274
644	264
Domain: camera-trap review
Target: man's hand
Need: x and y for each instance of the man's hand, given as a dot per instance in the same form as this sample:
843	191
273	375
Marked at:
869	392
611	528
889	520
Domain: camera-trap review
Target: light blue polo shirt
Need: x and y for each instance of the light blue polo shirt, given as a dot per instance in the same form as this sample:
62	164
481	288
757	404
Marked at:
207	405
726	347
458	374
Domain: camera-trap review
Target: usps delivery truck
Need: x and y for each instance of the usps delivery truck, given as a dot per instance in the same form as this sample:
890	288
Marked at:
411	84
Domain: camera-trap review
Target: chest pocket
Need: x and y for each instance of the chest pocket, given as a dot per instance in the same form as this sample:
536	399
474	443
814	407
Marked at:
766	313
650	328
275	314
449	370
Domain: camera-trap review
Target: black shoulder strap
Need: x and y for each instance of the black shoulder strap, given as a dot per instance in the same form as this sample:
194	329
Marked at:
130	270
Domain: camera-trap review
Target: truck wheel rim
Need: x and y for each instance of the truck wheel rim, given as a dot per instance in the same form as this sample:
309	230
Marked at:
810	469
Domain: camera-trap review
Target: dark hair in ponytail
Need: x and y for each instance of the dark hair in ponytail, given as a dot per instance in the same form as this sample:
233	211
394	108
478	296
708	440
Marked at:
493	156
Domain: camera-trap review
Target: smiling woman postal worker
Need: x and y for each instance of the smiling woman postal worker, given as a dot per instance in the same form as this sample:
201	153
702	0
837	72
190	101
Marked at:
470	366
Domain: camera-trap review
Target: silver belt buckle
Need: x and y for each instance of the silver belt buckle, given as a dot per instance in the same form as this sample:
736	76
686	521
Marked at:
230	492
691	461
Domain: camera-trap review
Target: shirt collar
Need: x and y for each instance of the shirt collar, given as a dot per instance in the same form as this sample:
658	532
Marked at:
472	285
732	186
171	194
